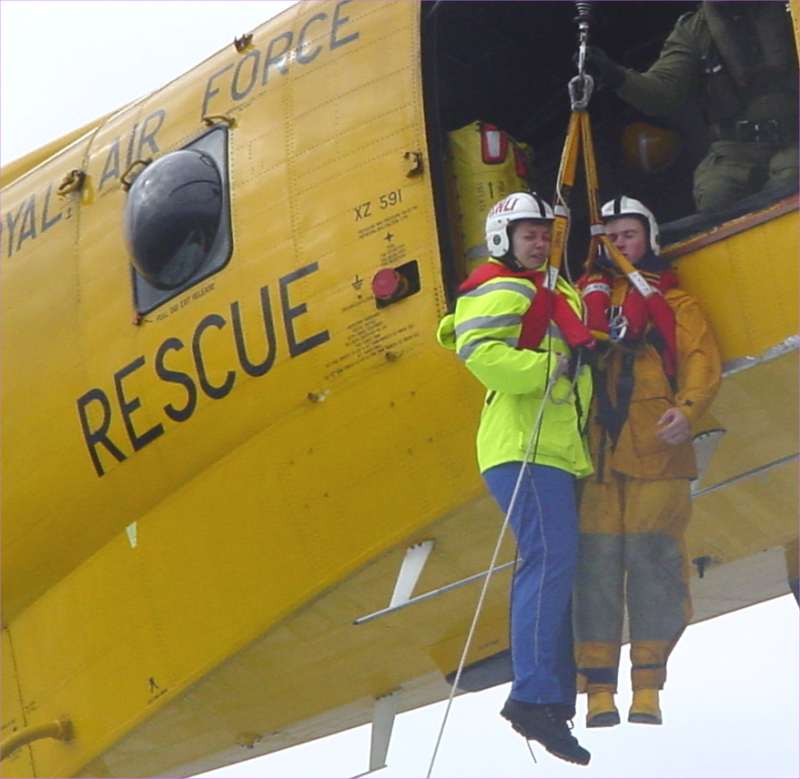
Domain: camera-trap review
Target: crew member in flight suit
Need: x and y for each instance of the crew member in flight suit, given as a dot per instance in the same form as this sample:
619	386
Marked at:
498	331
739	60
650	386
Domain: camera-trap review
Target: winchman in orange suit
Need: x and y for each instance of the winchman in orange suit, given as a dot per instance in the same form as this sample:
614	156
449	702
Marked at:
655	379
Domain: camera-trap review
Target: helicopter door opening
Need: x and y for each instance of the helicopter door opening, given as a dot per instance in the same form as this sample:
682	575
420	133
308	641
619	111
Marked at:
495	80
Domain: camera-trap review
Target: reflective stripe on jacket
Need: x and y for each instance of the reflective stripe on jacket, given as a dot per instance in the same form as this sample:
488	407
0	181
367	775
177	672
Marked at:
484	331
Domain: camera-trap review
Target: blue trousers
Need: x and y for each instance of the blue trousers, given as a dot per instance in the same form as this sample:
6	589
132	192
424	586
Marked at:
545	523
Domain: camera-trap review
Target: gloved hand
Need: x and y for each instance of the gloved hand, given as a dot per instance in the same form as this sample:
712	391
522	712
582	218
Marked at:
581	355
598	63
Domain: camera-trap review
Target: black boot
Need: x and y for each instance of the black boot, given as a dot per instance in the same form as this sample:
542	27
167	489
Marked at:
546	723
565	711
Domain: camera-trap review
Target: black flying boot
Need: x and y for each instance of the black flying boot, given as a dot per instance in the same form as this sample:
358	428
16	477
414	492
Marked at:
546	723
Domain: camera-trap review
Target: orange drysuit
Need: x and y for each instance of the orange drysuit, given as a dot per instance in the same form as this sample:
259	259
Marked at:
636	507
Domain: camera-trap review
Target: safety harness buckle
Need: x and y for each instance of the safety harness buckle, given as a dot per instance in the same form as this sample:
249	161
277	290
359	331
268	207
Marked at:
580	91
617	324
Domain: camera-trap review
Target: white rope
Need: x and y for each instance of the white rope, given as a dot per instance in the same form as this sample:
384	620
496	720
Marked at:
559	369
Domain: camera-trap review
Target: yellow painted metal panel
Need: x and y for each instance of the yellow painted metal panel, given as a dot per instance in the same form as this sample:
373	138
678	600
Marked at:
291	538
81	643
748	285
246	558
380	26
759	407
261	195
732	523
794	6
14	719
41	369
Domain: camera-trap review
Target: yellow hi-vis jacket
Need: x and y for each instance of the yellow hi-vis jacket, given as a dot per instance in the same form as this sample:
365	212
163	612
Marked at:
484	331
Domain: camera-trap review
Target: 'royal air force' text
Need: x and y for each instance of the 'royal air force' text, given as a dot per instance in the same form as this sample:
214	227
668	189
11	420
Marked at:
41	211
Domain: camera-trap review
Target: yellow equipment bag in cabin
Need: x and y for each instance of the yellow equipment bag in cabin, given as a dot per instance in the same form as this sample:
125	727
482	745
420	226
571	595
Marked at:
484	164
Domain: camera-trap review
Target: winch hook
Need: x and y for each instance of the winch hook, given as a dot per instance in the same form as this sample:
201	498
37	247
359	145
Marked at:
580	87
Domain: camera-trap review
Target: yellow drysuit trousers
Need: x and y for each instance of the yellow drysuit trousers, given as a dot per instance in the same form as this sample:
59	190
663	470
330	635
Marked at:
631	550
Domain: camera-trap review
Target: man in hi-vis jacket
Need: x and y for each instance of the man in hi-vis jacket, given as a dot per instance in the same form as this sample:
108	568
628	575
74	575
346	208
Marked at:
503	332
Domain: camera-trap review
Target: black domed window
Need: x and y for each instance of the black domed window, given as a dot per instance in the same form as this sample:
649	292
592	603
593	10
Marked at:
172	217
177	221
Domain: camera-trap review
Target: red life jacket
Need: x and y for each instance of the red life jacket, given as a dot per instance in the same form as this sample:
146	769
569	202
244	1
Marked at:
547	305
642	313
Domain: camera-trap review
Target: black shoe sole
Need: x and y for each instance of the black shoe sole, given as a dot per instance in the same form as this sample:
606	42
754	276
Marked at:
641	718
606	719
570	758
577	760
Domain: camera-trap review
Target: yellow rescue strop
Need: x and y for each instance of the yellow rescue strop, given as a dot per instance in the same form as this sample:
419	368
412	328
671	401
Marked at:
579	137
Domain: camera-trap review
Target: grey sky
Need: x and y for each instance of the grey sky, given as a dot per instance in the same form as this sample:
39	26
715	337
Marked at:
731	704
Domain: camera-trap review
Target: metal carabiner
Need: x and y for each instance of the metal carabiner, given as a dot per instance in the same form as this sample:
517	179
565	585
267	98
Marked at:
580	91
617	324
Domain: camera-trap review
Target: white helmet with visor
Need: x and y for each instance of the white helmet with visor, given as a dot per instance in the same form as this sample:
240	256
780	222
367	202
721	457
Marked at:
627	206
512	208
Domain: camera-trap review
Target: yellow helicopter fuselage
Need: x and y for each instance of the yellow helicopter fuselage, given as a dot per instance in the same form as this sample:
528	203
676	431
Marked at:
200	497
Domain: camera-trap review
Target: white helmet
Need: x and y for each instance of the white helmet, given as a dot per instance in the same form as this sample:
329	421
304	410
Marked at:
512	208
628	206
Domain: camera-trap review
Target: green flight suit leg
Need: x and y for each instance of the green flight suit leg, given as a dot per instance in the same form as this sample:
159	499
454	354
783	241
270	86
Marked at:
733	170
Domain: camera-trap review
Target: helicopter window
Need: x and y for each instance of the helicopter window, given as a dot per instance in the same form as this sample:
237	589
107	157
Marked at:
177	220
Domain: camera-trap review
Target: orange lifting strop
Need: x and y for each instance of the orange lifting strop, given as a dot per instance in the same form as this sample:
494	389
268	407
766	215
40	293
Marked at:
579	138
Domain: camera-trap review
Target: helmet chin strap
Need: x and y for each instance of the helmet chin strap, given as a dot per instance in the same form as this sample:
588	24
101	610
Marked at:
512	262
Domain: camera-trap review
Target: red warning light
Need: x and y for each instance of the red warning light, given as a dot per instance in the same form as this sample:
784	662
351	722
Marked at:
388	284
